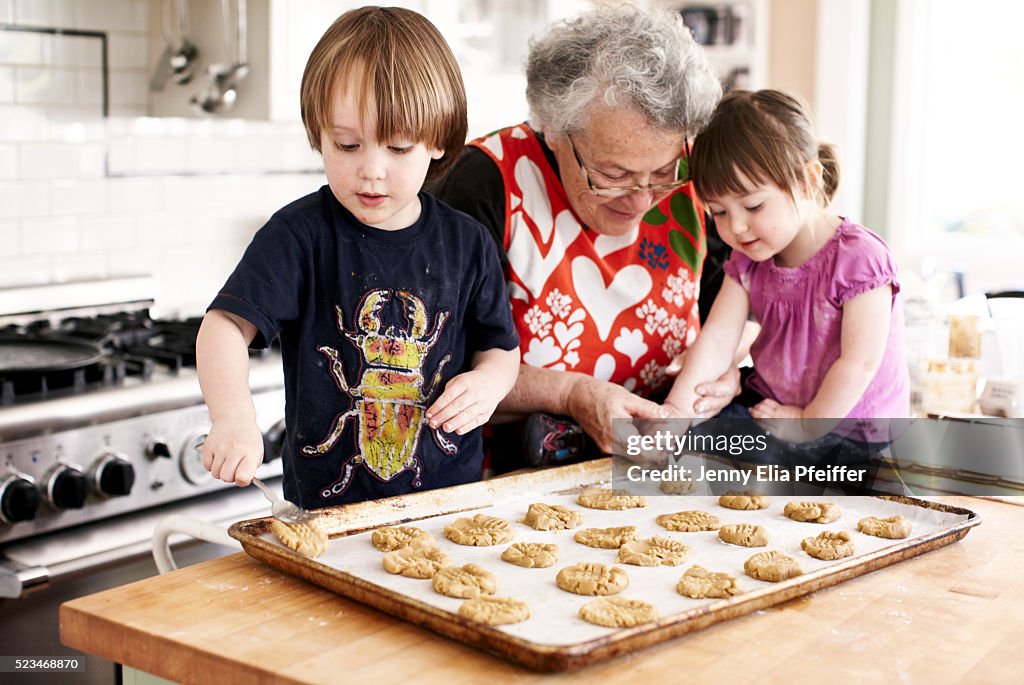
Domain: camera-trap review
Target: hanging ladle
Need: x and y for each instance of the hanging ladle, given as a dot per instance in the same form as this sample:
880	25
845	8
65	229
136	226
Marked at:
220	95
178	59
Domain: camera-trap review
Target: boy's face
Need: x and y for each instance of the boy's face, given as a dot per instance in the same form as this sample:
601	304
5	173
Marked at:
377	181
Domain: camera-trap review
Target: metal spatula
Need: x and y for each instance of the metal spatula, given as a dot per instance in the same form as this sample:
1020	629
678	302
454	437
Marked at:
282	508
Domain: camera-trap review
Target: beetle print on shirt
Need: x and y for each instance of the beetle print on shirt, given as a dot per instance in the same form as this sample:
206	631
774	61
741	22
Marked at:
389	400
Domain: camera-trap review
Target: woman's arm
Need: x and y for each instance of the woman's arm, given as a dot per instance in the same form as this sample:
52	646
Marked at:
711	354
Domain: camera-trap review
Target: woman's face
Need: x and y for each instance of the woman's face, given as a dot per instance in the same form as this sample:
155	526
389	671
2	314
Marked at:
619	147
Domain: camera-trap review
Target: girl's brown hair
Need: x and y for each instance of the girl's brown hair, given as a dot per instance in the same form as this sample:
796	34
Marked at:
765	136
403	73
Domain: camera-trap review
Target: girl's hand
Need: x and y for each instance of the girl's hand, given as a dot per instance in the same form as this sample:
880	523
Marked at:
233	450
468	401
770	409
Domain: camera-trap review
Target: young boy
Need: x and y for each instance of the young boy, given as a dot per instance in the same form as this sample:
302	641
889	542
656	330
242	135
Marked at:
381	294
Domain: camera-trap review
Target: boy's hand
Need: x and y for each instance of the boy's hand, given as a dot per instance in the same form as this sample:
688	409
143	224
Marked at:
233	450
467	402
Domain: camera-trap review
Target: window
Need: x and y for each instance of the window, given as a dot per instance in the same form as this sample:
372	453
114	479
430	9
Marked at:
956	187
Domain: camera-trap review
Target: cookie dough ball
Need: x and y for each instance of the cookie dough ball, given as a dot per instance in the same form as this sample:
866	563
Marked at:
610	499
678	486
552	517
893	528
495	611
744	534
413	561
304	537
699	583
590	578
829	545
390	538
605	538
479	531
744	502
772	566
656	551
531	554
689	521
813	512
465	582
618	612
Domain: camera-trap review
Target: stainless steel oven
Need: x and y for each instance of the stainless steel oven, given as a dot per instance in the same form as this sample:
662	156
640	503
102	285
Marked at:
100	416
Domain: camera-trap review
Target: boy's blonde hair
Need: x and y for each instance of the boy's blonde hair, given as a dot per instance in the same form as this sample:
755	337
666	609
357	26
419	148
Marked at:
398	63
765	136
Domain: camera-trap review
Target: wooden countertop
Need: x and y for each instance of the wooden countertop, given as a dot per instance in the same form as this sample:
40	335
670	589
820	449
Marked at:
952	615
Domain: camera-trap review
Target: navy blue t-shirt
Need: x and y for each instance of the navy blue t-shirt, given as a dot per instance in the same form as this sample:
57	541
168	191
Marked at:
373	324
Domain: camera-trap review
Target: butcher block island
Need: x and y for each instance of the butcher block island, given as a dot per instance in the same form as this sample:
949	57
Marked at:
239	619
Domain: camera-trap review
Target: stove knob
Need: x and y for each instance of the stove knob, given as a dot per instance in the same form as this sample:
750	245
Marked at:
273	442
158	449
66	488
18	500
113	475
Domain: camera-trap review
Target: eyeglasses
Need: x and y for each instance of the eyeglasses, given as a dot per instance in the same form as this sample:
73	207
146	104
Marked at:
681	178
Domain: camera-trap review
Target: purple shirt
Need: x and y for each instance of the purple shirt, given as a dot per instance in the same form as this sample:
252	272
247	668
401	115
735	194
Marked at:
801	313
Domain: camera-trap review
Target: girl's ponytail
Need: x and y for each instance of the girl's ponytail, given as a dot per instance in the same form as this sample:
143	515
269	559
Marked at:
830	177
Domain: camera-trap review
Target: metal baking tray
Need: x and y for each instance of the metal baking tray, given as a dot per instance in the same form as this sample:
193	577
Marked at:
352	567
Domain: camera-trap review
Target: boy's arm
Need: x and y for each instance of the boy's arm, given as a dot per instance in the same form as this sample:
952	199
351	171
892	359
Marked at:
469	399
234	447
711	354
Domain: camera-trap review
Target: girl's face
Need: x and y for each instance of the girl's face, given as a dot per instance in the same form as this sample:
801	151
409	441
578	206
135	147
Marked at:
377	180
761	222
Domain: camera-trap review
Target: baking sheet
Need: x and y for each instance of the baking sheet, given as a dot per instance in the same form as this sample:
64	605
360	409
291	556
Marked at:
554	617
353	568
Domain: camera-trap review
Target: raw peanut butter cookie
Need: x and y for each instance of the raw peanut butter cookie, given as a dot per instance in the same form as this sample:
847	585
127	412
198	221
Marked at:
590	578
618	612
552	517
772	566
656	551
829	545
495	610
605	538
678	486
610	499
700	583
745	534
391	538
413	561
531	554
306	538
813	512
479	531
744	502
893	528
689	521
465	582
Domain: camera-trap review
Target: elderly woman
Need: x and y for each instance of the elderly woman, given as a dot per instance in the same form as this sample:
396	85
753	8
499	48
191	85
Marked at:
590	202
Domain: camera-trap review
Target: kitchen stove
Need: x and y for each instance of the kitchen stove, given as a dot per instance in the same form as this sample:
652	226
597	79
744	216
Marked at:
101	415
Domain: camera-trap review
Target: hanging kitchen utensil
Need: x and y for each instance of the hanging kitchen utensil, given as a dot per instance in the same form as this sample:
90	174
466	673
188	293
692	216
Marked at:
183	59
220	95
162	72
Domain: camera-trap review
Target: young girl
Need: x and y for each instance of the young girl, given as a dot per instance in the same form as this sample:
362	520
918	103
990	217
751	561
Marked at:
381	295
822	288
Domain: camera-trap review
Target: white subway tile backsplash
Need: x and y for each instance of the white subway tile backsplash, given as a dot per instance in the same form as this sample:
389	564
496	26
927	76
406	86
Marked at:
79	267
44	86
20	47
19	199
10	239
61	160
135	195
26	271
109	232
6	85
8	161
83	52
89	88
128	51
35	12
135	260
50	236
105	15
7	11
84	197
128	88
154	155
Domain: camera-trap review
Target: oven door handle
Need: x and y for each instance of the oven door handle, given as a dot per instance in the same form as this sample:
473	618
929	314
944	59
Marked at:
185	525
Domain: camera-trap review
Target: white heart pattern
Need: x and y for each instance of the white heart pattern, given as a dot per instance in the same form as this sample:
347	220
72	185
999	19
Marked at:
631	285
533	268
604	245
566	334
542	352
631	343
604	367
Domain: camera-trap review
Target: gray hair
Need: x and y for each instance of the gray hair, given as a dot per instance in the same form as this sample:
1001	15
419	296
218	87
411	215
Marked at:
624	56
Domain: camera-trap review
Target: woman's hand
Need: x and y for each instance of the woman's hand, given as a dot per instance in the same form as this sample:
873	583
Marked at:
713	396
595	403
